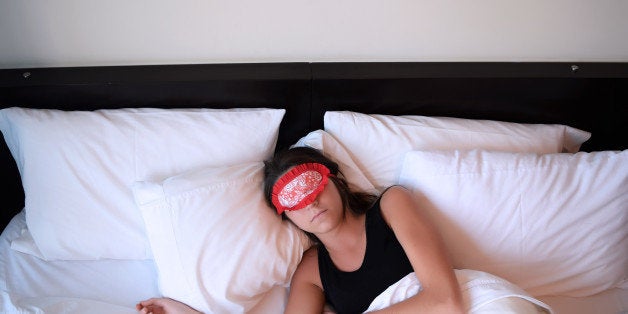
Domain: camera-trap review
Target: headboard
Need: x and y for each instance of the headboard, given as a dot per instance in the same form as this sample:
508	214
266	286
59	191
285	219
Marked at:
589	96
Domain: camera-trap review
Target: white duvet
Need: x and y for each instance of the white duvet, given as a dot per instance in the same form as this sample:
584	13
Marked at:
481	293
66	305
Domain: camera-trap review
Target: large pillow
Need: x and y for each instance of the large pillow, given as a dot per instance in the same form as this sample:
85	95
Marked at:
77	168
379	142
552	224
217	245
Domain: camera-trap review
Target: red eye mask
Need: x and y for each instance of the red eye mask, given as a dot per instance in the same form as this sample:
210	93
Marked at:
299	187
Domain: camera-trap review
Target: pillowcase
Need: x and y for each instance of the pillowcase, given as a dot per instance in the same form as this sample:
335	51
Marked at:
77	168
552	224
379	142
331	148
217	245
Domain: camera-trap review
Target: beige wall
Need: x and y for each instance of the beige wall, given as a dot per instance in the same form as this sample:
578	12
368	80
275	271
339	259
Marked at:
36	33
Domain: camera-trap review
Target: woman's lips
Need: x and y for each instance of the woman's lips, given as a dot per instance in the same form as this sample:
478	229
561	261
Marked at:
318	214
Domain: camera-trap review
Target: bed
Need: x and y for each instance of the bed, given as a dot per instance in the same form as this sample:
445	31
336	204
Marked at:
128	182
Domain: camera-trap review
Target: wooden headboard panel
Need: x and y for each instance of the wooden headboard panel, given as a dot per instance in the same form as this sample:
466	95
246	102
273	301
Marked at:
589	96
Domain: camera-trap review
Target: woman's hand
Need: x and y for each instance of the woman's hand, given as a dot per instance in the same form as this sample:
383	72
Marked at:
164	306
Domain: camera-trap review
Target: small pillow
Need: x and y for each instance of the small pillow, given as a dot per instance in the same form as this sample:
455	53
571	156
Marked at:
77	167
552	224
379	142
217	245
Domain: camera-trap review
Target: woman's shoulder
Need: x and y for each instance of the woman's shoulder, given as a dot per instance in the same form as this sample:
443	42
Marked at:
395	193
308	267
310	254
397	201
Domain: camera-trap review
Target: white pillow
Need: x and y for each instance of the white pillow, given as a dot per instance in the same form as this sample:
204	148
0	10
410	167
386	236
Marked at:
217	245
552	224
330	147
378	142
77	167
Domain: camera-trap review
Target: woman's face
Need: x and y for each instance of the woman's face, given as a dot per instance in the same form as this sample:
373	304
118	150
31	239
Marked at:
322	215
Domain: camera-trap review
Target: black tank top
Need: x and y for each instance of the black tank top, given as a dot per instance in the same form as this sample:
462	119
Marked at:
385	263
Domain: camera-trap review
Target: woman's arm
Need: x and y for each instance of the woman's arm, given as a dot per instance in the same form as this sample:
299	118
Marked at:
306	293
427	254
164	306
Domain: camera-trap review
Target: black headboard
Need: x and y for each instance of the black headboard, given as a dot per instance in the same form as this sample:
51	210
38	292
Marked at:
589	96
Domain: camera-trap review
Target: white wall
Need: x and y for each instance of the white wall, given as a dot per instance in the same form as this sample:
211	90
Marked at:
35	33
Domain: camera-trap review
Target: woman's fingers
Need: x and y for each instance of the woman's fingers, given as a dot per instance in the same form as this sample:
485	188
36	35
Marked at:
148	306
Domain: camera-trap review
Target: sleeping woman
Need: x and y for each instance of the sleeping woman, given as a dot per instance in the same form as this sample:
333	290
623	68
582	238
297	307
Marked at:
364	243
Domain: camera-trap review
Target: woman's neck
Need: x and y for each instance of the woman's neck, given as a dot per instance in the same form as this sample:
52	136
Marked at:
347	243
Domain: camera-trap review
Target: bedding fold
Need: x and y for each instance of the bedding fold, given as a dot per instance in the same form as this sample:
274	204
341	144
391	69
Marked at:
481	293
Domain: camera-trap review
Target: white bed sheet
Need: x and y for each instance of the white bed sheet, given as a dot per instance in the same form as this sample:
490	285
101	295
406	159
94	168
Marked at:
612	301
32	285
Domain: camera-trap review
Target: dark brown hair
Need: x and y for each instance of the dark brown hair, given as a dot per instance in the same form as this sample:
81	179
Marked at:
357	202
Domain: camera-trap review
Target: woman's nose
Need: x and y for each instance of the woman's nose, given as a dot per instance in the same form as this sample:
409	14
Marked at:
313	205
